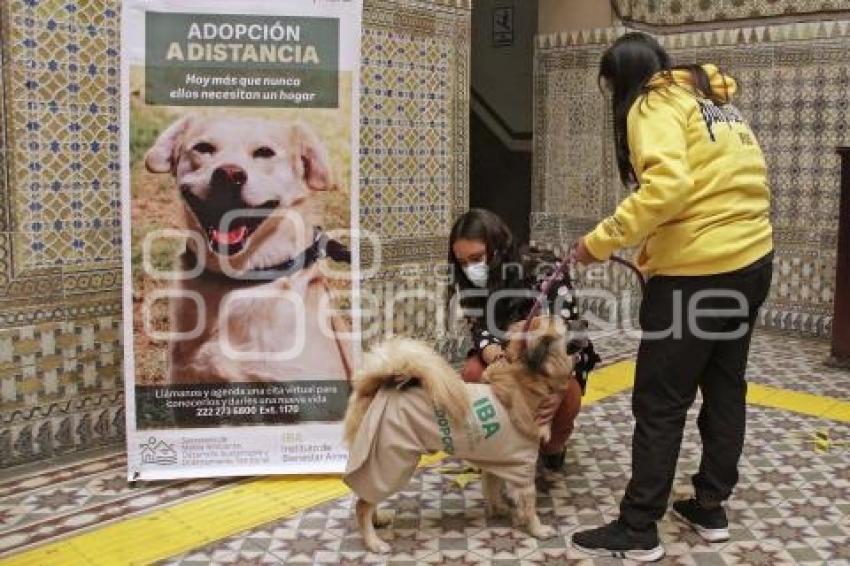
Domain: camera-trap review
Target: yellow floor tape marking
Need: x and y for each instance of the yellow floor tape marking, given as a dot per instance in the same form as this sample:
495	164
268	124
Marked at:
616	378
799	402
171	531
608	381
174	530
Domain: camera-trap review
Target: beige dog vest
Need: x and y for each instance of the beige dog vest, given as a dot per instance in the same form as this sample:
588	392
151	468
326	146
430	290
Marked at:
402	424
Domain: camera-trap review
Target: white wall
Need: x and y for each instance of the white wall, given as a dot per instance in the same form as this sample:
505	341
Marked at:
565	15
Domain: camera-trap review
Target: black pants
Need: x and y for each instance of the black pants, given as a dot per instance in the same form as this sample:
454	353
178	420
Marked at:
671	368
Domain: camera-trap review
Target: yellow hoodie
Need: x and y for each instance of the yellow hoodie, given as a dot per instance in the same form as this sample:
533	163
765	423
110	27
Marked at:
702	206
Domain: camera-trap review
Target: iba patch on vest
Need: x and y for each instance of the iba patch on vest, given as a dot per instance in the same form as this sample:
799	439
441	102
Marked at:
483	425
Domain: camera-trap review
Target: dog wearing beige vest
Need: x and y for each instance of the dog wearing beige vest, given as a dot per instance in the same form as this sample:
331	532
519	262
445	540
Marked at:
408	401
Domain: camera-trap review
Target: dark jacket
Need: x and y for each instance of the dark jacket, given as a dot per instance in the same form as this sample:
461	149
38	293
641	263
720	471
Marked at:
536	267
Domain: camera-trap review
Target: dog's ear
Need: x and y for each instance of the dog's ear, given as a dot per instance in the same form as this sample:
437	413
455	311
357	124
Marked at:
313	156
538	353
516	341
161	156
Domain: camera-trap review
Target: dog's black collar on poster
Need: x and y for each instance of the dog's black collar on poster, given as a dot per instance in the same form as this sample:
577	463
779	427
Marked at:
322	246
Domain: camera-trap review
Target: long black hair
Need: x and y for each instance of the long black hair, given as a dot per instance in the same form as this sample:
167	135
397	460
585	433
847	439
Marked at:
485	226
503	259
627	67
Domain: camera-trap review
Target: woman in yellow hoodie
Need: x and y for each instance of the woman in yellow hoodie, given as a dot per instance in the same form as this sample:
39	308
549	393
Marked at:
700	216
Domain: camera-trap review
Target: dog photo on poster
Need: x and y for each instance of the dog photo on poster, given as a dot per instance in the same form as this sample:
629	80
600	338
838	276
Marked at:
239	202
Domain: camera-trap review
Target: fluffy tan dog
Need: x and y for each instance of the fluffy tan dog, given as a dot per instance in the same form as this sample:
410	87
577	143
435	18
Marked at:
408	401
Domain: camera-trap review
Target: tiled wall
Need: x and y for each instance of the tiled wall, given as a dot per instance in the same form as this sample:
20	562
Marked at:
677	12
414	169
795	80
60	314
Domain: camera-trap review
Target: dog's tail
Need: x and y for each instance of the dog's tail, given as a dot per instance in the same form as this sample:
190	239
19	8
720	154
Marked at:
398	360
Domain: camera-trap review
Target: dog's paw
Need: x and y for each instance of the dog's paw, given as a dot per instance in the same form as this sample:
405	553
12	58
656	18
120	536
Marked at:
545	433
376	545
382	518
542	531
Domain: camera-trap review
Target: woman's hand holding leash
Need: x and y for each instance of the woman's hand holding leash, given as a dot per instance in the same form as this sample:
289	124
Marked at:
580	254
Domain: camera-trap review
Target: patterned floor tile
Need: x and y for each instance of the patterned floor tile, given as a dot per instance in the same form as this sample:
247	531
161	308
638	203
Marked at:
303	546
454	524
502	543
455	558
555	557
233	551
67	498
405	544
835	549
754	553
796	363
11	515
792	504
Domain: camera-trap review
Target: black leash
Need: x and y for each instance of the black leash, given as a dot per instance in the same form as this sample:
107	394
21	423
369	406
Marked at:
634	269
563	270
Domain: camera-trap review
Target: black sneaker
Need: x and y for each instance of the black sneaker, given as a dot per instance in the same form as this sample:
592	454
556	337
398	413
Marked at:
710	524
554	462
617	540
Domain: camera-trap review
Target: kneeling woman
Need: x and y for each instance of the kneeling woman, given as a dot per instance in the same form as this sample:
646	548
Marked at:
492	276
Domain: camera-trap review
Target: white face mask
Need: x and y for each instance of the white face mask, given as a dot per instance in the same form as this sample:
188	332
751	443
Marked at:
476	273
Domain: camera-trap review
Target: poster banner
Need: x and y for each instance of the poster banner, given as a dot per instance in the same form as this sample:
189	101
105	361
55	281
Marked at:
239	153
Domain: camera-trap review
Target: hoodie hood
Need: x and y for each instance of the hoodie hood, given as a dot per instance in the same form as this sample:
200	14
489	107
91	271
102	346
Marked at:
723	87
